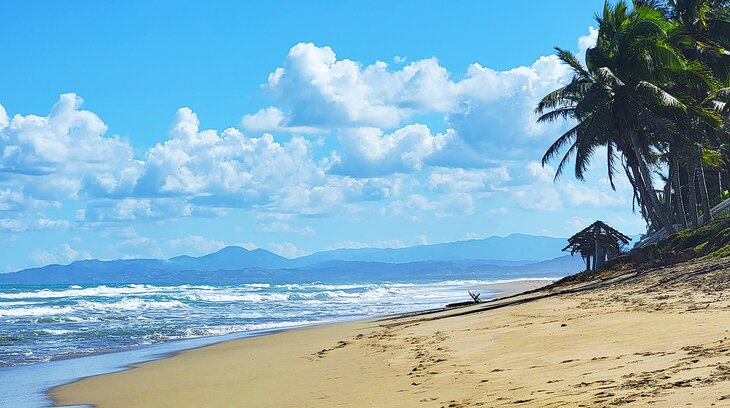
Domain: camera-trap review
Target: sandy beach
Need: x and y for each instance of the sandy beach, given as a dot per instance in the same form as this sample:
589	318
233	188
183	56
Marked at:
658	336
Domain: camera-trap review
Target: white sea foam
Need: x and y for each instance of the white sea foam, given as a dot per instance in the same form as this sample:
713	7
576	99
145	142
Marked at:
36	311
56	332
128	304
215	296
98	291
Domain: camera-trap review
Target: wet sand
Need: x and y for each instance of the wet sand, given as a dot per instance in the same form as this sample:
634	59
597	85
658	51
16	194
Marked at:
658	337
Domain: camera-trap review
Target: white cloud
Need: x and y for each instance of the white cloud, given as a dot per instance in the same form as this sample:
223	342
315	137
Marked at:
139	247
195	245
585	42
228	169
583	195
375	244
498	211
485	107
325	92
368	151
31	222
416	206
61	254
541	193
4	120
286	249
246	245
272	119
285	228
65	153
447	180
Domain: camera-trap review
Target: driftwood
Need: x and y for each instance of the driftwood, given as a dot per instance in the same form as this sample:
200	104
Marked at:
474	297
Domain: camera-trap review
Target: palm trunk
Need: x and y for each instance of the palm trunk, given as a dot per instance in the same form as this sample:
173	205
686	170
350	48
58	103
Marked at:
703	193
668	196
651	200
719	184
677	181
692	195
639	193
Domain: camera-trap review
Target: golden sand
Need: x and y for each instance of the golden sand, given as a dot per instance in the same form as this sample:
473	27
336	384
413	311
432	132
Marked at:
658	337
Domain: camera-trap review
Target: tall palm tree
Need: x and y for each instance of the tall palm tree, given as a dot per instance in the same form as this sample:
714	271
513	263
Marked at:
621	99
704	27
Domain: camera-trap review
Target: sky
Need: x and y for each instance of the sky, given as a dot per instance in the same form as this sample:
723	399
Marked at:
155	129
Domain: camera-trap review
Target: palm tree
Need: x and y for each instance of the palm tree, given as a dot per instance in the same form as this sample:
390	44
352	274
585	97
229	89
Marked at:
622	98
704	35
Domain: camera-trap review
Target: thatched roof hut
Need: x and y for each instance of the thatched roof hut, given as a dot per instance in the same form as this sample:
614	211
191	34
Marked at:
597	241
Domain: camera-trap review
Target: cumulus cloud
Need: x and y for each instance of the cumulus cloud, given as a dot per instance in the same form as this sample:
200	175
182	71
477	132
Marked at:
24	223
4	120
69	147
489	110
195	245
61	254
196	172
416	206
273	119
322	91
139	247
229	169
448	180
540	193
368	151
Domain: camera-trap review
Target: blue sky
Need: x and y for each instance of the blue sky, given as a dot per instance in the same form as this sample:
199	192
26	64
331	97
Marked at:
153	129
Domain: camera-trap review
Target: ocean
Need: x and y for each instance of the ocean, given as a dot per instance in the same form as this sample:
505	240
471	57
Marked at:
45	323
45	329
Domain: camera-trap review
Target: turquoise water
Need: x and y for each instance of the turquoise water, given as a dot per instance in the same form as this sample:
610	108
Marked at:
40	324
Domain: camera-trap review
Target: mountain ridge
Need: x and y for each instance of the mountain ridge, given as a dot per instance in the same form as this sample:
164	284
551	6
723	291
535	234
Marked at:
493	253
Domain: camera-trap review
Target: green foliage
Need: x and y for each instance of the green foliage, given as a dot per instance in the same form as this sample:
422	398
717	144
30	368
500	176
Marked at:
720	253
656	85
712	158
699	247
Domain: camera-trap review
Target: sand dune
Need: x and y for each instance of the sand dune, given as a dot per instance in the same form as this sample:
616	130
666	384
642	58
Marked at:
656	337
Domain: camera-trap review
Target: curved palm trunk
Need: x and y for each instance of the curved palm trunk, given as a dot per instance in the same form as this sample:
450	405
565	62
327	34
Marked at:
639	193
707	214
651	200
677	185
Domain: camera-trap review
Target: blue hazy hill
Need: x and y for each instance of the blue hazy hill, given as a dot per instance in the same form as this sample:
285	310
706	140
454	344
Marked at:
512	249
515	254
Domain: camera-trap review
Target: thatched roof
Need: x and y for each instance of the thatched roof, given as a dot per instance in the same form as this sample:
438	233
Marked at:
584	241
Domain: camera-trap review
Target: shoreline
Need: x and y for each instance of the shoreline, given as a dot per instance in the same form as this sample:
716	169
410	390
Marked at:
502	290
657	336
108	362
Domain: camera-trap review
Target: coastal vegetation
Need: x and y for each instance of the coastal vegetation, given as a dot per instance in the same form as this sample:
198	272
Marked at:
653	92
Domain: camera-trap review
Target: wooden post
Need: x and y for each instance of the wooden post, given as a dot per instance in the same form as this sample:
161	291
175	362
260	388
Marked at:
588	262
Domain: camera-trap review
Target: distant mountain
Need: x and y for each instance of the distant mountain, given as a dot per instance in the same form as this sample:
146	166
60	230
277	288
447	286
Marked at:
331	271
516	252
230	258
516	248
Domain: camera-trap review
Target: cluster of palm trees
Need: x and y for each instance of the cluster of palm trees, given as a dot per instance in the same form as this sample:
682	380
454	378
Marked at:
654	92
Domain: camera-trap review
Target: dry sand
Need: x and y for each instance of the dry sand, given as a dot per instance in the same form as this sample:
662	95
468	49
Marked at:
658	337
